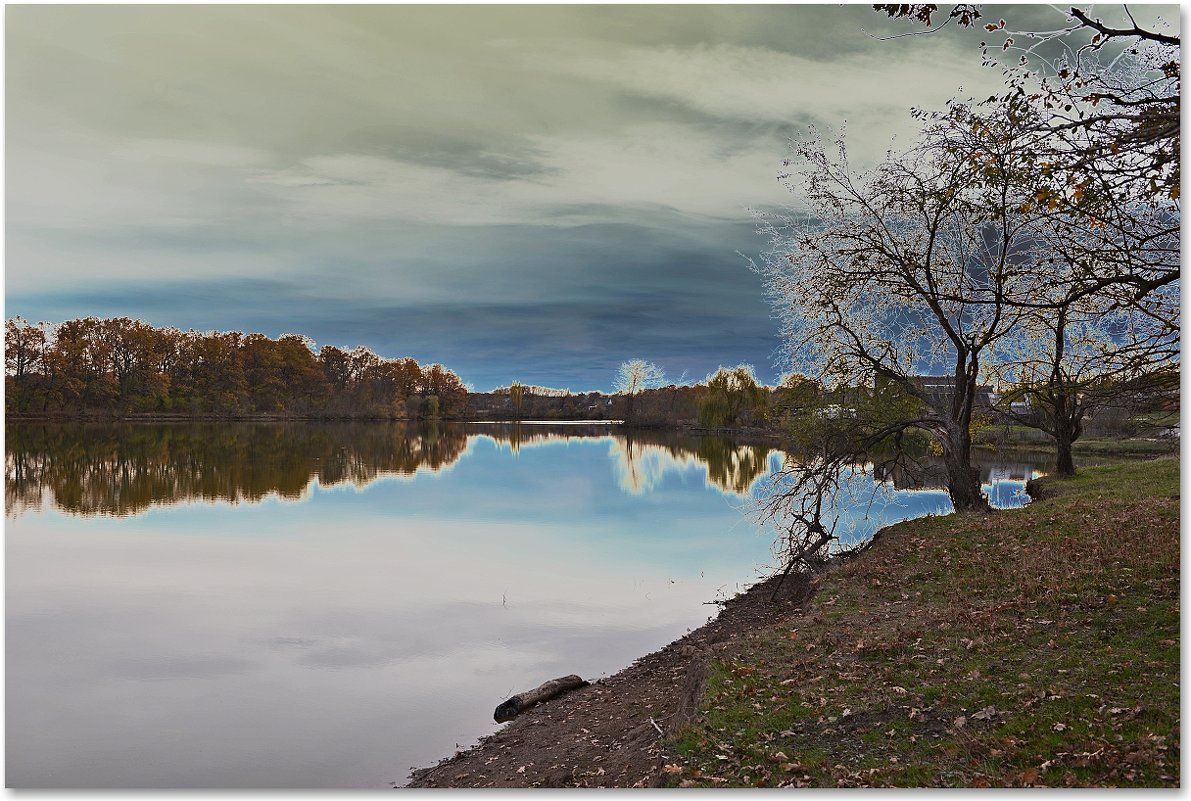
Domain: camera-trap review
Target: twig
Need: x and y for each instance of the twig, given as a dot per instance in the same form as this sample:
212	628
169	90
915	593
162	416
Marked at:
656	726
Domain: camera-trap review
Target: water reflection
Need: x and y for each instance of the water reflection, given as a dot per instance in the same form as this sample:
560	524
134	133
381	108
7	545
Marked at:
997	477
241	605
336	629
125	469
1003	480
873	496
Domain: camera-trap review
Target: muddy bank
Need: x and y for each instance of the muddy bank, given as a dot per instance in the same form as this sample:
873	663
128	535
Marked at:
615	732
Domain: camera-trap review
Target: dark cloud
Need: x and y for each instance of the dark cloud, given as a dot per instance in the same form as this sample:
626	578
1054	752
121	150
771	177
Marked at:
562	307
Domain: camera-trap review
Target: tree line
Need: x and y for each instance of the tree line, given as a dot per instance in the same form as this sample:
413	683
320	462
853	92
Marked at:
125	366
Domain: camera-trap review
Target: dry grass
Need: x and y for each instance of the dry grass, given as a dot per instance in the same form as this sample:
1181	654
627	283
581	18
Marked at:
1034	647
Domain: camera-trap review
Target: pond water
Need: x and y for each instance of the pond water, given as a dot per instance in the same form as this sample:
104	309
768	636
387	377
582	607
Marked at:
329	605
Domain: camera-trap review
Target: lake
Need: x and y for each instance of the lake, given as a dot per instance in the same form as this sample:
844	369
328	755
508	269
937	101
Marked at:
329	605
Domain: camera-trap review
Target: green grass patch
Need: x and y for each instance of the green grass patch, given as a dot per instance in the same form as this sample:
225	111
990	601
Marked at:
1030	647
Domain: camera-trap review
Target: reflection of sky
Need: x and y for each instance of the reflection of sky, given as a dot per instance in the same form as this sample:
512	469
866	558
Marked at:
865	506
340	639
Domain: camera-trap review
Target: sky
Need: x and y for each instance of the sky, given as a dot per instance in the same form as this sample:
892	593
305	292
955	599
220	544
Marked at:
531	193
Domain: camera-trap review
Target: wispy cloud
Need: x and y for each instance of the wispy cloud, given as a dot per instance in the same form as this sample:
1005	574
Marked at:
869	93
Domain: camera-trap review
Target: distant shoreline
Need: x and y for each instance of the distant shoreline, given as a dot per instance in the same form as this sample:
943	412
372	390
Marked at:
206	417
166	417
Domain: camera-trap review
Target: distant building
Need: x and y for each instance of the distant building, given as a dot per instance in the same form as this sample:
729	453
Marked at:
939	389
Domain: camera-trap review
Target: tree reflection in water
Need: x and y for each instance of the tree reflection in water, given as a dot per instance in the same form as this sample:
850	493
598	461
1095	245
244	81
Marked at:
122	469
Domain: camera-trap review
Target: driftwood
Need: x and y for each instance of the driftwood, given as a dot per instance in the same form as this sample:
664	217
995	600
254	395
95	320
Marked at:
523	701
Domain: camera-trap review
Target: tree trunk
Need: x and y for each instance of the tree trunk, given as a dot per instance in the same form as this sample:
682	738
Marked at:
1064	463
963	480
1067	429
523	701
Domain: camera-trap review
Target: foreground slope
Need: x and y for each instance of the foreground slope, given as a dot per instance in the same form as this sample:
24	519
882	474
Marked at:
1034	647
1037	646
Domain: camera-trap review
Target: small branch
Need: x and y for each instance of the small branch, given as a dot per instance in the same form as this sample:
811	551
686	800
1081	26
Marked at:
1137	31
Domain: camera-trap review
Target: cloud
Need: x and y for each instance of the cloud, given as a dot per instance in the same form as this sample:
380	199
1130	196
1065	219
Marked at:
565	184
869	93
573	179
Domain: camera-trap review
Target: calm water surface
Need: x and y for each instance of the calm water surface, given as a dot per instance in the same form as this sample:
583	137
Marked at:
330	605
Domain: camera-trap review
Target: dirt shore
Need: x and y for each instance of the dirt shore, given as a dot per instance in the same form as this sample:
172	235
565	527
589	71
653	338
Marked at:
617	731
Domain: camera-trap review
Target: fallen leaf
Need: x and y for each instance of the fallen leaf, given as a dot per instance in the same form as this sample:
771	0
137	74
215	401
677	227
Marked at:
985	714
672	769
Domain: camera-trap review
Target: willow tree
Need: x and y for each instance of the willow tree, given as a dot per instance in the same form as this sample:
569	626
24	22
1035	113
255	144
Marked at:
909	270
731	391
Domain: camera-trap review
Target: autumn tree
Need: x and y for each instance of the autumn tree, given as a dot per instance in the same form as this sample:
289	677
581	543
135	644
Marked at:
24	354
1097	293
120	364
446	389
336	366
78	366
1077	351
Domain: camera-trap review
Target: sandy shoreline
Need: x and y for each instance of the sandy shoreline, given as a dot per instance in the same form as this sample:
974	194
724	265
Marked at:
616	732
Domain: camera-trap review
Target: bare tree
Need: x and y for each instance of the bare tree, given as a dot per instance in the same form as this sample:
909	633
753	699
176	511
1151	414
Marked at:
1076	352
1101	99
634	376
907	271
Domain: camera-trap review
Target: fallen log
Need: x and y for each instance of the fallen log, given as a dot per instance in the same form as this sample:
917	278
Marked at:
523	701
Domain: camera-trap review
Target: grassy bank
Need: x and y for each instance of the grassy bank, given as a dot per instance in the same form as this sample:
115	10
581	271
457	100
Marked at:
1033	647
1089	447
1132	447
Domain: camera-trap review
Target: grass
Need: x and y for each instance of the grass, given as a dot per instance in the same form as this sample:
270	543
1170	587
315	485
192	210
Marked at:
1032	647
1124	447
1133	447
